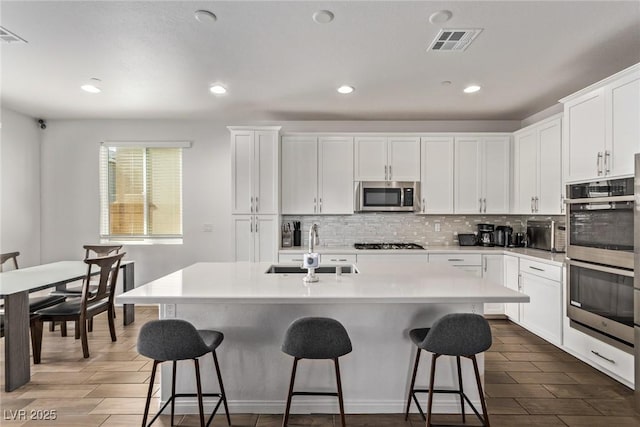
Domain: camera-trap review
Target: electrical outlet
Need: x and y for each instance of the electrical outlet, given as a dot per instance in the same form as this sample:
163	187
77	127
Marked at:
169	311
436	227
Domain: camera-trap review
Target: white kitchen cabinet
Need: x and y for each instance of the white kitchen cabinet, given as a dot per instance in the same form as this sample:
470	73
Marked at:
493	271
436	184
256	238
538	169
543	314
254	170
601	128
469	263
512	281
317	175
382	158
481	179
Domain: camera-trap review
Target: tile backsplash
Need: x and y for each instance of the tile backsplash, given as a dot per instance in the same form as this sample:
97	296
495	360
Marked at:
345	230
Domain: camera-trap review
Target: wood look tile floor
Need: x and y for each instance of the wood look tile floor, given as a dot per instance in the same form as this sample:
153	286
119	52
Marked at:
527	382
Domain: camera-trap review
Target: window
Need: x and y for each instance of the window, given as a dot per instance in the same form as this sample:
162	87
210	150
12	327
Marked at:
141	191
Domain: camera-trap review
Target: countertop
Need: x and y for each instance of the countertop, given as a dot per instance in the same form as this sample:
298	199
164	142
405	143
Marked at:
379	282
535	254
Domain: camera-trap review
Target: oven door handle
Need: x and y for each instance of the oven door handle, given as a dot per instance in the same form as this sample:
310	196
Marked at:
599	267
629	198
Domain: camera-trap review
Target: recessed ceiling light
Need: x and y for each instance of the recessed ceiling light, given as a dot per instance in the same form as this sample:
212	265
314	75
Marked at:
471	89
445	82
323	16
218	90
440	16
344	89
92	86
205	16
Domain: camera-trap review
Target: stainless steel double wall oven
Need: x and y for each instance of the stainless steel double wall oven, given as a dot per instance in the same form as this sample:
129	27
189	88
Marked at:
600	242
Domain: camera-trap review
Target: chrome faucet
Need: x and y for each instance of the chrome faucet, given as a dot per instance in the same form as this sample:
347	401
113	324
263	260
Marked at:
313	237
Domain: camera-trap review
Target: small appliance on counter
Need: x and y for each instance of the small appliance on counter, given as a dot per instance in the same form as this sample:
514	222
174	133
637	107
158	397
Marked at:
297	236
467	239
287	239
519	240
547	235
485	234
502	235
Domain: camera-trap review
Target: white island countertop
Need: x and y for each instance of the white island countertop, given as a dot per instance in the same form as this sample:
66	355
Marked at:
381	282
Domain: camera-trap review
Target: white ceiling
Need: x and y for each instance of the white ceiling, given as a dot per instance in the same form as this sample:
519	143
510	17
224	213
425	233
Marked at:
157	61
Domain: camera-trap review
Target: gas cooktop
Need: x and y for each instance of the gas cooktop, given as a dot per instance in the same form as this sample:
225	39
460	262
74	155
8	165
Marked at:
387	246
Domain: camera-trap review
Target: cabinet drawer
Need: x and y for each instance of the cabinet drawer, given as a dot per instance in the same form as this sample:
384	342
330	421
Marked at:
608	357
457	259
548	271
337	258
290	258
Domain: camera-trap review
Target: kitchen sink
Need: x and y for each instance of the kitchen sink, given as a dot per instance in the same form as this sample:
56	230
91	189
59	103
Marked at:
327	269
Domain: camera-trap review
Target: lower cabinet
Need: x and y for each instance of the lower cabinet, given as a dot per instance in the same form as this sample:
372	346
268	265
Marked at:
543	314
256	238
493	270
512	281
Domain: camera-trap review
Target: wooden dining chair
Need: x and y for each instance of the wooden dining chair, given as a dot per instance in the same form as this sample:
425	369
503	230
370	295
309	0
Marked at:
91	251
90	304
9	256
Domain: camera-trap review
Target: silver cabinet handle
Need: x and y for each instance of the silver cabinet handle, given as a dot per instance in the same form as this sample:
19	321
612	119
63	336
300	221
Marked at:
561	203
485	205
519	282
338	259
423	207
536	268
531	204
607	161
599	163
537	204
251	224
251	205
320	204
480	200
314	205
455	259
389	171
485	265
256	225
602	357
296	259
385	172
256	205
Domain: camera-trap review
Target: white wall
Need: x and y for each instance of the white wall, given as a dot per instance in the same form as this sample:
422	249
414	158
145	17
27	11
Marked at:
70	202
20	187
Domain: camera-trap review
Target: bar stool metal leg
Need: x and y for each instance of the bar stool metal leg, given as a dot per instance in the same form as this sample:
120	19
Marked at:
432	377
480	391
222	393
199	390
413	383
464	418
151	381
285	421
173	390
340	402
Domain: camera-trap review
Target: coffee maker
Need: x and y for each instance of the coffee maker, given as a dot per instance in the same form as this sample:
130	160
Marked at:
485	234
502	235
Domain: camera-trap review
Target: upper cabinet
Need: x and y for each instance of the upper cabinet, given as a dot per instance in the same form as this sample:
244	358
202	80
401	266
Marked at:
317	175
481	181
254	170
381	158
436	184
602	128
537	175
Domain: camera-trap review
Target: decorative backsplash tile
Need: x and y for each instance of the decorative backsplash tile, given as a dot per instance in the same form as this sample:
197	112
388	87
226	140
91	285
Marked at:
345	230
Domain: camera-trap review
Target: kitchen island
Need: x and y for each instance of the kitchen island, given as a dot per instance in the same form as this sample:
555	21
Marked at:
378	306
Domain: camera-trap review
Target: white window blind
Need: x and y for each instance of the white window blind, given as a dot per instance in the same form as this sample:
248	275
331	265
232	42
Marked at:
140	191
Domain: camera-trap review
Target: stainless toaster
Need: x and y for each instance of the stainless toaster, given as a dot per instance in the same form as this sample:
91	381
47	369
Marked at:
548	235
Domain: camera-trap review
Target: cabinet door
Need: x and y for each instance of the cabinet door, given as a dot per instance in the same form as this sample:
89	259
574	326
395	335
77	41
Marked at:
543	314
265	229
403	159
335	186
241	171
266	172
436	185
371	159
493	271
299	175
467	175
525	174
584	119
243	237
624	137
512	281
495	175
550	200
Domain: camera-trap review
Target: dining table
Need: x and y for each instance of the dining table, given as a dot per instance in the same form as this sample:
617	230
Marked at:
15	287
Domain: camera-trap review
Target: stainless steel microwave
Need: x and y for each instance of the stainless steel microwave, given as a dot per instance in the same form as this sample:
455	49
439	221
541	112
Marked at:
386	196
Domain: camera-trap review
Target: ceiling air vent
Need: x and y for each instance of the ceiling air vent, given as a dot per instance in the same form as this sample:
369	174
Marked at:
8	37
450	40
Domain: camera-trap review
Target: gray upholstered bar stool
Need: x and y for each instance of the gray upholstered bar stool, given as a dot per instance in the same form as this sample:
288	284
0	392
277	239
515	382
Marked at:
315	338
173	340
459	335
